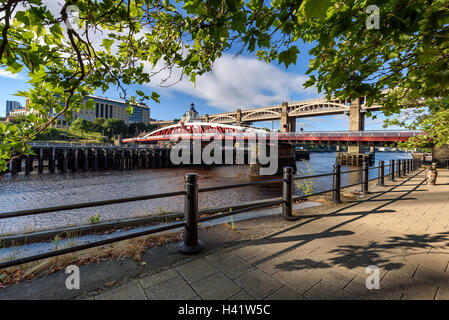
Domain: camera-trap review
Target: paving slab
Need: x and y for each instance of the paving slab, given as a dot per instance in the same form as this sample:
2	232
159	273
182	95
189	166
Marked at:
258	284
216	287
129	291
173	289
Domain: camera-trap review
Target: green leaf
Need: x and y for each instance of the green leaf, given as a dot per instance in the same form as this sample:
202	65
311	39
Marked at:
90	104
155	96
107	43
315	8
289	56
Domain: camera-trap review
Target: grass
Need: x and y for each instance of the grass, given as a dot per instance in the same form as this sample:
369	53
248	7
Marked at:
94	219
306	185
232	225
132	248
60	135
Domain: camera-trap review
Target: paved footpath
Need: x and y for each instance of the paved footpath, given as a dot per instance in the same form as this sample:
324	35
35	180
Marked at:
324	255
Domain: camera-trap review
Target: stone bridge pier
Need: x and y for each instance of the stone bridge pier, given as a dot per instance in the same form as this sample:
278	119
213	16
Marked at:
288	124
356	122
356	154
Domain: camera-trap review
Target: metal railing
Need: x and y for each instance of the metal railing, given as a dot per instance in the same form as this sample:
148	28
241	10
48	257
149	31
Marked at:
44	144
191	243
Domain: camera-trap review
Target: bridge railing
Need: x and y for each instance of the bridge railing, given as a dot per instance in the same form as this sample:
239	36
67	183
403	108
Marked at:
295	135
191	243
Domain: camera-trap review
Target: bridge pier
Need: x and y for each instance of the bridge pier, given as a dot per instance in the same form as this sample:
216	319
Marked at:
238	117
356	123
288	124
286	158
356	154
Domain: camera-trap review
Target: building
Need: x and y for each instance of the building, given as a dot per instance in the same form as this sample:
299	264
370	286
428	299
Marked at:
191	115
108	109
11	106
21	112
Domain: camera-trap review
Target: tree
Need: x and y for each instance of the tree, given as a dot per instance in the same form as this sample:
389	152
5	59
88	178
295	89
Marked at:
98	124
404	62
115	126
82	125
137	127
92	45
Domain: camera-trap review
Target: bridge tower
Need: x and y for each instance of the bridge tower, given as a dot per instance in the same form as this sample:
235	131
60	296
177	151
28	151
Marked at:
356	122
238	117
288	124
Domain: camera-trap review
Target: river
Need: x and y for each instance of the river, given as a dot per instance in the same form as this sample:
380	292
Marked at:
44	190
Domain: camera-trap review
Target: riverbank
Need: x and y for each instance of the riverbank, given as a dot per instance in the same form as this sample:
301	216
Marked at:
400	228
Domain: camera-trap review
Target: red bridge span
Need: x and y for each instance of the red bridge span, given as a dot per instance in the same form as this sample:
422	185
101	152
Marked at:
202	131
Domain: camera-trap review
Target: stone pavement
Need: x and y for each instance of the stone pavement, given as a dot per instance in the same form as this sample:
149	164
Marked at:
405	233
401	228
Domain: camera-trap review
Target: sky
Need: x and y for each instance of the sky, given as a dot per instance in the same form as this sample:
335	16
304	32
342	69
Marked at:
236	81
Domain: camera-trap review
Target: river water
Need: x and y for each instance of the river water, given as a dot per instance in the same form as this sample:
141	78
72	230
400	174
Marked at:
44	190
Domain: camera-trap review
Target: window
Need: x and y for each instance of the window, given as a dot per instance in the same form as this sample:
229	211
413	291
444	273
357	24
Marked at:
106	109
101	110
96	110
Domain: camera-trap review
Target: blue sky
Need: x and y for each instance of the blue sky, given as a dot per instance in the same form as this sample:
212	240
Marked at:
235	82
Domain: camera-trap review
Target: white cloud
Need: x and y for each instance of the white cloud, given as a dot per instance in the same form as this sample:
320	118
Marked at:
8	74
241	82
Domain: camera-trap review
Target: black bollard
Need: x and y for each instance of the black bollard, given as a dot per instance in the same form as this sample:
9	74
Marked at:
287	193
336	194
365	174
191	243
391	175
381	175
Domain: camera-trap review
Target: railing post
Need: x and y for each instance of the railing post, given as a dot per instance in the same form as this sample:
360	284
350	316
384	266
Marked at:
336	194
391	175
287	193
381	175
398	168
191	242
365	173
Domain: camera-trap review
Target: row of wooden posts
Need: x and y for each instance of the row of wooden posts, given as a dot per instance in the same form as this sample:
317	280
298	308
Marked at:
73	159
